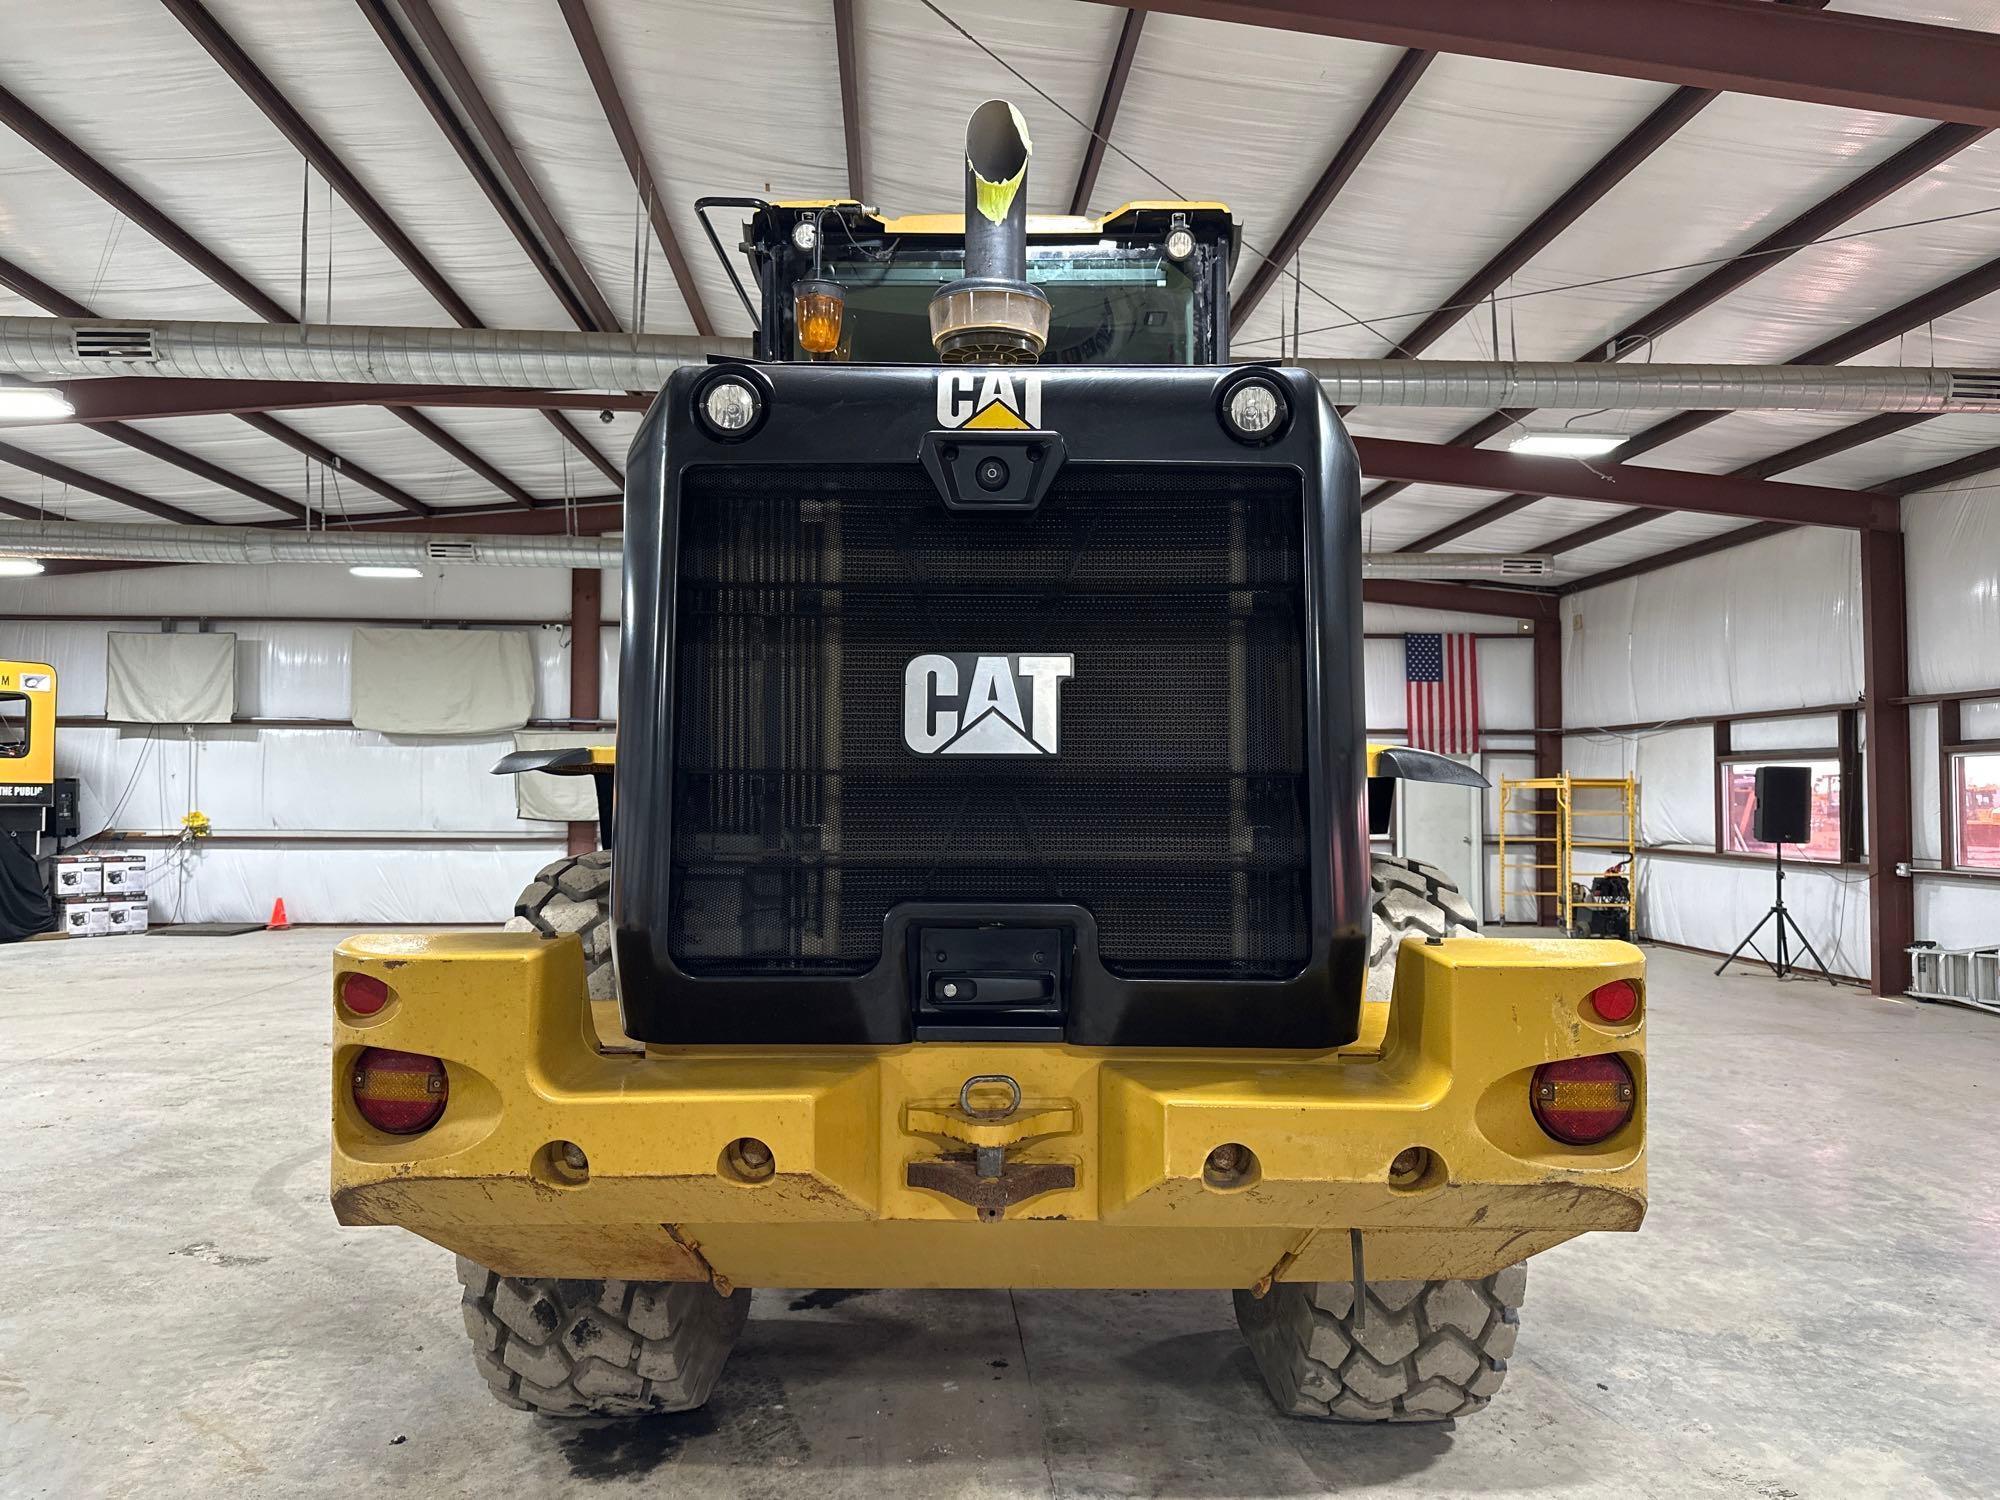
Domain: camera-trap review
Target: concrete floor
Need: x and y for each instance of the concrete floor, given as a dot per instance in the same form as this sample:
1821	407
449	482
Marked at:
1812	1309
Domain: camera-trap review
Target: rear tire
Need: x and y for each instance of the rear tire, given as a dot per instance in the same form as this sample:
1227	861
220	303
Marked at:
1426	1351
1410	897
574	895
598	1348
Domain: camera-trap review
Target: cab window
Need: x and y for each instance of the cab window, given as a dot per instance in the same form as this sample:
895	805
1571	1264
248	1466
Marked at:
1110	303
13	726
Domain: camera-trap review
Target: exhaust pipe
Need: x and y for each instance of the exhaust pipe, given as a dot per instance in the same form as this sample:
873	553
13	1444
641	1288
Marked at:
991	315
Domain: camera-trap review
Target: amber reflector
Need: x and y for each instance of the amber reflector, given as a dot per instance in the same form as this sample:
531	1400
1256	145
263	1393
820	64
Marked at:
1583	1100
1616	1002
817	308
400	1092
363	994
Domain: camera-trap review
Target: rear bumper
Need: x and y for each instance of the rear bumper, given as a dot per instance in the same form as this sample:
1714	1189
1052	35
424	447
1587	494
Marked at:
662	1201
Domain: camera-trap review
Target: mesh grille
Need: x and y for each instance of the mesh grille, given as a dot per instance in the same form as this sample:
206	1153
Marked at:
1175	811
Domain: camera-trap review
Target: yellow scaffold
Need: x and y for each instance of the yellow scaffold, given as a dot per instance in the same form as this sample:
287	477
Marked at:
1553	807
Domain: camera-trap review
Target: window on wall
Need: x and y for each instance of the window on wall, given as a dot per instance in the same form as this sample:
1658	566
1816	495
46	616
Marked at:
13	725
1739	802
1975	782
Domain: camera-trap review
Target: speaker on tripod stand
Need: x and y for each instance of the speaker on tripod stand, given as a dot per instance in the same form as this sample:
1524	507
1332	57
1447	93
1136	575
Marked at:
1781	814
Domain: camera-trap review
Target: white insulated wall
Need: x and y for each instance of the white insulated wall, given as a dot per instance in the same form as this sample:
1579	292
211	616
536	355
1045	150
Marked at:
345	825
1774	625
354	826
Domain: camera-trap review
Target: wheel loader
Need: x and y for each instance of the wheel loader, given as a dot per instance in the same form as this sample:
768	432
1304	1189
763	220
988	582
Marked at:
986	897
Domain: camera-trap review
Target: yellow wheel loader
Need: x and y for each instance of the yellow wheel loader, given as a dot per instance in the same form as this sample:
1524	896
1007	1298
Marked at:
986	898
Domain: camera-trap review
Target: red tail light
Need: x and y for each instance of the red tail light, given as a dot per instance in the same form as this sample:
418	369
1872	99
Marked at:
400	1092
1583	1100
1616	1002
363	994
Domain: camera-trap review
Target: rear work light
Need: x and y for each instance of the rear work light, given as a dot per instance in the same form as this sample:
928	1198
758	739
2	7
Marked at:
362	994
1616	1002
1583	1100
399	1092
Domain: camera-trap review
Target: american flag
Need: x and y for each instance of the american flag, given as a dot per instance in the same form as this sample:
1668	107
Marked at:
1441	692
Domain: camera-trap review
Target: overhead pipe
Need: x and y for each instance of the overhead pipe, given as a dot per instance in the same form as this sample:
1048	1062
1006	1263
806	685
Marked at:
115	541
68	348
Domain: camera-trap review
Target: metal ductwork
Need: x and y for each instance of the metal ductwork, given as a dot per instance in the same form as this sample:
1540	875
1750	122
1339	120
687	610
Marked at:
1494	565
1509	385
66	348
346	353
991	315
115	541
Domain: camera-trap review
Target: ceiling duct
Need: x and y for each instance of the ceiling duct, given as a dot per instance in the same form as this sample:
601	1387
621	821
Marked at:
50	348
115	541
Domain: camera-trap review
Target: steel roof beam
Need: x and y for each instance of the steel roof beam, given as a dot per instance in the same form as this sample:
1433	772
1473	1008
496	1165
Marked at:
1417	593
1980	281
120	194
343	468
1606	173
1967	466
1627	484
1367	130
1706	547
135	206
23	284
1839	58
591	49
1107	106
104	489
277	109
482	144
417	422
1871	187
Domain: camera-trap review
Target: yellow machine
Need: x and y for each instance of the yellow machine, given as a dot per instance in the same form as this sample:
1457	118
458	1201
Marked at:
27	794
986	900
27	734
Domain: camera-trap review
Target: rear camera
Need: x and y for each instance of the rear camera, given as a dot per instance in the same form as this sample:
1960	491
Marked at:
730	407
992	473
1254	411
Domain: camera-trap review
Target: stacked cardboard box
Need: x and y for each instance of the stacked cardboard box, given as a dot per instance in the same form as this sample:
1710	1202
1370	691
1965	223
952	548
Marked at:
101	895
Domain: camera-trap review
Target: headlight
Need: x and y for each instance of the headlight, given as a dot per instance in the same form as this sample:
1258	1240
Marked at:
805	234
1255	410
1180	244
730	407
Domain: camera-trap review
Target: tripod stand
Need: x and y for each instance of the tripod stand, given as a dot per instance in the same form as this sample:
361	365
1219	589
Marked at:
1784	966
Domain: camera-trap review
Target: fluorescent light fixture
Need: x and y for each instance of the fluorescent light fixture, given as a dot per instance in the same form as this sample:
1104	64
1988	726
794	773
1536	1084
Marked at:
19	567
1566	444
22	402
378	570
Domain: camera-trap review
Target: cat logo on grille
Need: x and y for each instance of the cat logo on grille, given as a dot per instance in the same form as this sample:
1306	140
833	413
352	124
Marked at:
983	705
987	399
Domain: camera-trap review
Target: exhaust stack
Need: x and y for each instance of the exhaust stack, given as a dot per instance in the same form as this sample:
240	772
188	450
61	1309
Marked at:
991	315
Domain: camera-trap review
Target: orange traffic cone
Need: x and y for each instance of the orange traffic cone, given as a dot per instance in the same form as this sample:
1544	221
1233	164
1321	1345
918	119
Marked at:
279	921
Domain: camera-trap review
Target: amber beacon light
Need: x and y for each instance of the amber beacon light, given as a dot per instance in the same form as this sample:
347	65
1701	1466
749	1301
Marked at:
818	305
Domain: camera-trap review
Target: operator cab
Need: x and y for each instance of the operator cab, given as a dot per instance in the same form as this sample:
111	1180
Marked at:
836	283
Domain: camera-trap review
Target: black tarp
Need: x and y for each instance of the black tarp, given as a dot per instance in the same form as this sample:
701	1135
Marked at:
25	905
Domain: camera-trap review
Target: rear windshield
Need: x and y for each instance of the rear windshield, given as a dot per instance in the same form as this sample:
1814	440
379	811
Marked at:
1109	303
